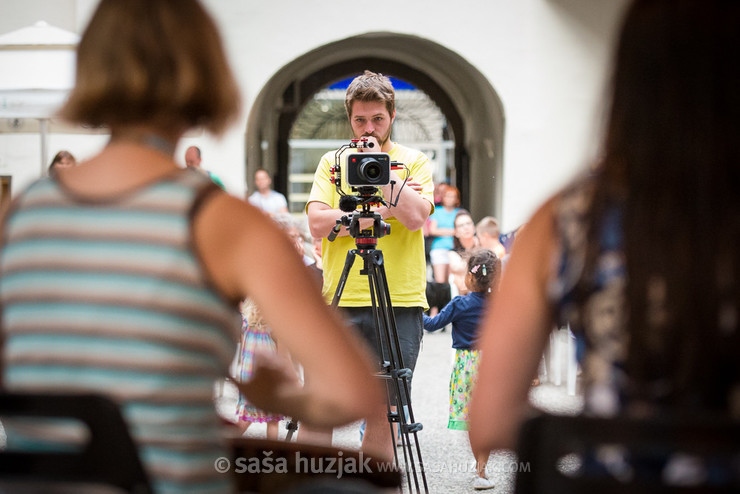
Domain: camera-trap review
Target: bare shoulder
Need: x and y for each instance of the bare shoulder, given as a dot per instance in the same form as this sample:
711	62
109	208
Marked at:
229	232
235	209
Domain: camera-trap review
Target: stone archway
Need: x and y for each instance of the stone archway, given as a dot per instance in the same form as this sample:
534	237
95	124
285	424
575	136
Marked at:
470	104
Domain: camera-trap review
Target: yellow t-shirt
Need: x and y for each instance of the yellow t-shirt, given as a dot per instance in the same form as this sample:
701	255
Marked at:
403	250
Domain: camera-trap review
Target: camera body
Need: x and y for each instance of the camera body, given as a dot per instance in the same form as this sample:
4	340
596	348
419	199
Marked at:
368	169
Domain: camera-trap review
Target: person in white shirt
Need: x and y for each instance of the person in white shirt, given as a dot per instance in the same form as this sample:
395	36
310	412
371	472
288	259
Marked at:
268	200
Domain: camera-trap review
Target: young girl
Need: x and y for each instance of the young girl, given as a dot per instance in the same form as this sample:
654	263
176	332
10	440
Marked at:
464	312
255	338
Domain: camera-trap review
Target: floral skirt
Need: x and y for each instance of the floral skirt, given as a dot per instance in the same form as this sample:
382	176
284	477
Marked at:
252	340
462	380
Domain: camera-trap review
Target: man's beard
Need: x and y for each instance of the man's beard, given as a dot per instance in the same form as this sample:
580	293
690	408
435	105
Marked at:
381	141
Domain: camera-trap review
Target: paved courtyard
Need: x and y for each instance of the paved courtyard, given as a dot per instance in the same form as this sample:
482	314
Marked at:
446	453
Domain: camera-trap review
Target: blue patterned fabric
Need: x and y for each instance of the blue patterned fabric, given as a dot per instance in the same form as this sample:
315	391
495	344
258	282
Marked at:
599	323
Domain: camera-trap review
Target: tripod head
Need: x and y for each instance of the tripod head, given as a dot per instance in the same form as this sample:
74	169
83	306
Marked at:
366	238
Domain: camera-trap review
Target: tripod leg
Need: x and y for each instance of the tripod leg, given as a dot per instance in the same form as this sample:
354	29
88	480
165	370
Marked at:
348	262
389	349
376	439
385	319
291	427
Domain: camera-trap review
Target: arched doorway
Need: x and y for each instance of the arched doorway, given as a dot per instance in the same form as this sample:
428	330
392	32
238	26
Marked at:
471	106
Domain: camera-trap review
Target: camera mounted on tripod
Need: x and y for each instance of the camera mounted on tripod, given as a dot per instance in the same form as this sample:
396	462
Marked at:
365	174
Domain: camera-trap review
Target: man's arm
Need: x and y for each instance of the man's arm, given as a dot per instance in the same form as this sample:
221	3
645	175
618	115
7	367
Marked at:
322	218
411	209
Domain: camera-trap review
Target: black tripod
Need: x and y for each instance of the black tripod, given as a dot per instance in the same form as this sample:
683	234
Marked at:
392	370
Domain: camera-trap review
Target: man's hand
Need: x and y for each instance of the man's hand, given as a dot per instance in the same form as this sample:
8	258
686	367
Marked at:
383	211
396	180
368	149
411	209
414	185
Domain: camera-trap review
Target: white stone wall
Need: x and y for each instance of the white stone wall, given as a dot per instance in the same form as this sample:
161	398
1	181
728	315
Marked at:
547	60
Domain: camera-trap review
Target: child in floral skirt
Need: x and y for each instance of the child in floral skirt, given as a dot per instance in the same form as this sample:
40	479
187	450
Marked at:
465	312
255	337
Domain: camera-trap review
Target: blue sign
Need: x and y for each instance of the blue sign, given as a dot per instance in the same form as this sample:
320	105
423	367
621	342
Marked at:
397	84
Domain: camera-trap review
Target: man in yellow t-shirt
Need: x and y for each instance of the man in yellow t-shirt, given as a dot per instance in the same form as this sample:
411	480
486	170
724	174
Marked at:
370	105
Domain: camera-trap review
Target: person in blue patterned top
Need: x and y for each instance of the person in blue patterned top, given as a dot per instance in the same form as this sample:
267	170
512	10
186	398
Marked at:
640	255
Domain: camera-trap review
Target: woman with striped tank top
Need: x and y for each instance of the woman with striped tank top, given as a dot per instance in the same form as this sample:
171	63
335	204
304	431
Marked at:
123	275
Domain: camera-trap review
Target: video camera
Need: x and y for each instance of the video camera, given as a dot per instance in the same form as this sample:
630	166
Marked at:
365	174
368	169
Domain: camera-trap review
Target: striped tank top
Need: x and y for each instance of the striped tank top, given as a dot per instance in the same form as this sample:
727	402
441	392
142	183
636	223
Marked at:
111	297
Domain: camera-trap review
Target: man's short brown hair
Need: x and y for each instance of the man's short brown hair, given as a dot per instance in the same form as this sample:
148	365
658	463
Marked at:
370	87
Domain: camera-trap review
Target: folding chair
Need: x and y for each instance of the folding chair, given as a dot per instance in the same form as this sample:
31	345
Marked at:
109	459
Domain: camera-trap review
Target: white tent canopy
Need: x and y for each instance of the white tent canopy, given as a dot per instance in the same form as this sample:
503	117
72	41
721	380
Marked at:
40	34
38	66
38	70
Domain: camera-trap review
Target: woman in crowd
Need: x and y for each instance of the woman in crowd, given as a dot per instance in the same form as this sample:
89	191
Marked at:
442	228
641	255
464	241
123	275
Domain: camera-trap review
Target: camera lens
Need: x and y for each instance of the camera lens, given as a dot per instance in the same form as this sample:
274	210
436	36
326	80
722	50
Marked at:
370	170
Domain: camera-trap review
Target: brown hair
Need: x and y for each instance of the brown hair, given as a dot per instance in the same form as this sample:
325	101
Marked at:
58	158
61	155
456	245
671	165
370	87
152	61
